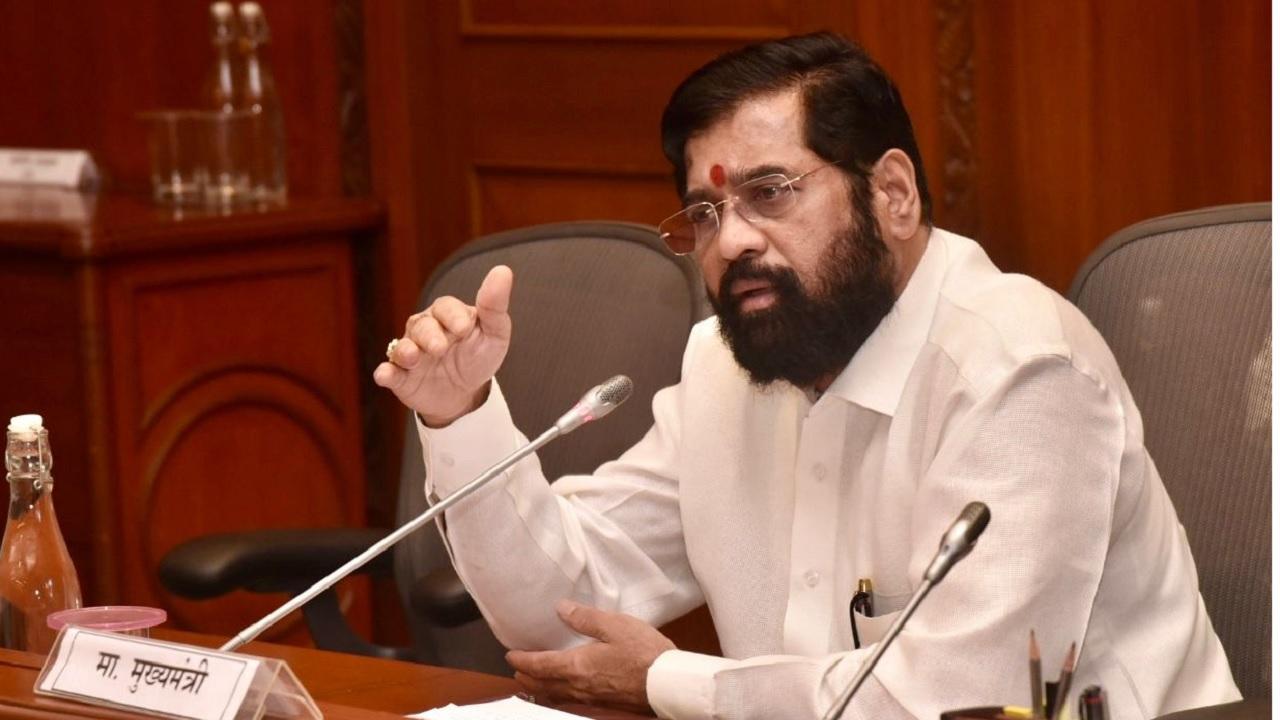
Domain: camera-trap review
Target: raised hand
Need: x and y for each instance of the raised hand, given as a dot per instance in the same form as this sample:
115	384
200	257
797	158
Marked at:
442	366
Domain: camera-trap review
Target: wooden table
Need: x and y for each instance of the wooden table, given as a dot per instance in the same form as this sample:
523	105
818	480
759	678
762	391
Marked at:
344	686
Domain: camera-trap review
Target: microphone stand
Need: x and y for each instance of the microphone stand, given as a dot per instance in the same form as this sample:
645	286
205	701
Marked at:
837	708
382	545
956	543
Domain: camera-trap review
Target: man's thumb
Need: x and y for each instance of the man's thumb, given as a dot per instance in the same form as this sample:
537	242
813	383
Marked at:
582	619
494	296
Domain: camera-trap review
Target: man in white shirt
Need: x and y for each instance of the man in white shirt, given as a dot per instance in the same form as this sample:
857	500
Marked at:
866	376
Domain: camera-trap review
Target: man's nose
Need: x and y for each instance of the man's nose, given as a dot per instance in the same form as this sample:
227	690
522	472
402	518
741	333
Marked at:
738	236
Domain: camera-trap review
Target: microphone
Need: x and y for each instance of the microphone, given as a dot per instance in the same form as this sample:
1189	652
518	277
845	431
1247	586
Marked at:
956	542
598	402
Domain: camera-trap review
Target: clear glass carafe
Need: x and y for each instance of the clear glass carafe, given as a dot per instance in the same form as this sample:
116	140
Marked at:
37	576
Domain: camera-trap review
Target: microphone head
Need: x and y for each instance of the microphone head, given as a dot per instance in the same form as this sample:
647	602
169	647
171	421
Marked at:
958	540
614	391
598	402
975	515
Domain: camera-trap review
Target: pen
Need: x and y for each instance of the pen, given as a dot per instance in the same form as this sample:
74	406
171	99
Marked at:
1093	704
860	605
1064	682
1037	682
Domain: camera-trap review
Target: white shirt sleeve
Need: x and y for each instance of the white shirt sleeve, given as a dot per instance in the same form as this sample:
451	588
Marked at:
612	540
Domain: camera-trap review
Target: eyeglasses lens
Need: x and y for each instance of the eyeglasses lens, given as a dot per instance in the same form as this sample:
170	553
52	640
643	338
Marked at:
766	197
682	231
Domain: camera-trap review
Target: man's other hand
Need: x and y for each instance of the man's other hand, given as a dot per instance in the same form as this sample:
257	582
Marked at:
611	671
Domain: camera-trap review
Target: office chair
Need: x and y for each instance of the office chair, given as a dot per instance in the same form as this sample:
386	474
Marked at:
1184	301
591	300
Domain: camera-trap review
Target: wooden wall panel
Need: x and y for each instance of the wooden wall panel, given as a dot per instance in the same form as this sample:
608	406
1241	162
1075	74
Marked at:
573	19
589	104
75	73
1096	115
508	197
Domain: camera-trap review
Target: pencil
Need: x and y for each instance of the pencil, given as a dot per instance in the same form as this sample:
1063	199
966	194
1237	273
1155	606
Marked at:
1037	682
1064	681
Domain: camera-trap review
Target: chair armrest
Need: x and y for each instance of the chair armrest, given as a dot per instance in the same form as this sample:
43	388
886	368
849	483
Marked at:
441	597
1252	709
266	560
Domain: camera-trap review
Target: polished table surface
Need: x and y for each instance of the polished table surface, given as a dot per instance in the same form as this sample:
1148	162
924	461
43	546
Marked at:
344	686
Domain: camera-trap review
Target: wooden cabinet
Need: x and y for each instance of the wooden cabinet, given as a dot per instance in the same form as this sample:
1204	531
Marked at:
197	372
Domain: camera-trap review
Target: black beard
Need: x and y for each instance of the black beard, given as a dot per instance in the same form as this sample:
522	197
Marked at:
801	338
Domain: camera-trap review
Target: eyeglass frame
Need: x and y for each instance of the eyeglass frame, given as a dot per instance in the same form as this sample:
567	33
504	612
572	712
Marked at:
733	195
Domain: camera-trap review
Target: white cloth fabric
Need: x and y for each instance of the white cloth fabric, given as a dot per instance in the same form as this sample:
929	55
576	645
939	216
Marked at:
770	506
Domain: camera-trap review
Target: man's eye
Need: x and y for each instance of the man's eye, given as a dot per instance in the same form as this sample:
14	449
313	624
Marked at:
772	192
701	214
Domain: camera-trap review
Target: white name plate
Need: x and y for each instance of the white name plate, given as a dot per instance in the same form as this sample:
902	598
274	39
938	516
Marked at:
154	677
60	168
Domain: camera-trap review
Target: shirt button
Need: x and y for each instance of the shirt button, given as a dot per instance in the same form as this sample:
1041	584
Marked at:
446	460
820	471
812	578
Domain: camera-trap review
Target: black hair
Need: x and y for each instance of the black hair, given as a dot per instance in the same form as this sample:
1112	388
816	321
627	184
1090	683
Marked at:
853	111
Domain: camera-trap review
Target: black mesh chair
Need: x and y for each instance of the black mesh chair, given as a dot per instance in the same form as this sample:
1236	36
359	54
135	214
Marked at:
591	300
1184	301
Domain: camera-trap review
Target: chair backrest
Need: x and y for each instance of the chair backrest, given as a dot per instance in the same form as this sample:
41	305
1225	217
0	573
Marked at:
1184	301
591	300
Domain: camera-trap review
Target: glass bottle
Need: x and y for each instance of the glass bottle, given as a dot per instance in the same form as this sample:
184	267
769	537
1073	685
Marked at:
218	92
226	151
36	573
257	93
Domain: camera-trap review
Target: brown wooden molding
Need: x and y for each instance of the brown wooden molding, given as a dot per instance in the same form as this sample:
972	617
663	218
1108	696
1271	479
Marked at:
509	167
956	195
644	33
469	27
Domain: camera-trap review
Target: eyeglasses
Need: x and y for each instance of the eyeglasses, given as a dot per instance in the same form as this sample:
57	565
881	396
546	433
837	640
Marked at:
766	197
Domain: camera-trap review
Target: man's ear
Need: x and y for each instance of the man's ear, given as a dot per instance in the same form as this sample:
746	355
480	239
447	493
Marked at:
894	197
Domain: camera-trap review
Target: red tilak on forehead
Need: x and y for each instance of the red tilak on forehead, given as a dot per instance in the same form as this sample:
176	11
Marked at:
717	175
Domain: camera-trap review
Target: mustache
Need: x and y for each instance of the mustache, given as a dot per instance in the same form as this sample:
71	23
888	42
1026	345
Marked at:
753	269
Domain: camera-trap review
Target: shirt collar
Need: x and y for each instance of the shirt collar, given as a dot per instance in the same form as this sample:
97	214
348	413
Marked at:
877	374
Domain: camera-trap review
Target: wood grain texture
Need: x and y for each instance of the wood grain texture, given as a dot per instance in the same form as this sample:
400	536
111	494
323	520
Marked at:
210	384
1095	115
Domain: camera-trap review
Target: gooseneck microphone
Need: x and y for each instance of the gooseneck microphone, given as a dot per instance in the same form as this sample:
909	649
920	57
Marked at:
598	402
957	541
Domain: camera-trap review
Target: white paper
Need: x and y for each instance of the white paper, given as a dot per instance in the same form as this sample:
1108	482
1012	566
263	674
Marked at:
512	708
145	674
60	168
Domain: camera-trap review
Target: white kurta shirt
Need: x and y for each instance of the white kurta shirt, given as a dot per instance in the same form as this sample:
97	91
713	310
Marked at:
770	506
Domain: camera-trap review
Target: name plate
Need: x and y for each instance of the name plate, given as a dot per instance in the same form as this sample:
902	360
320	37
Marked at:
60	168
151	676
